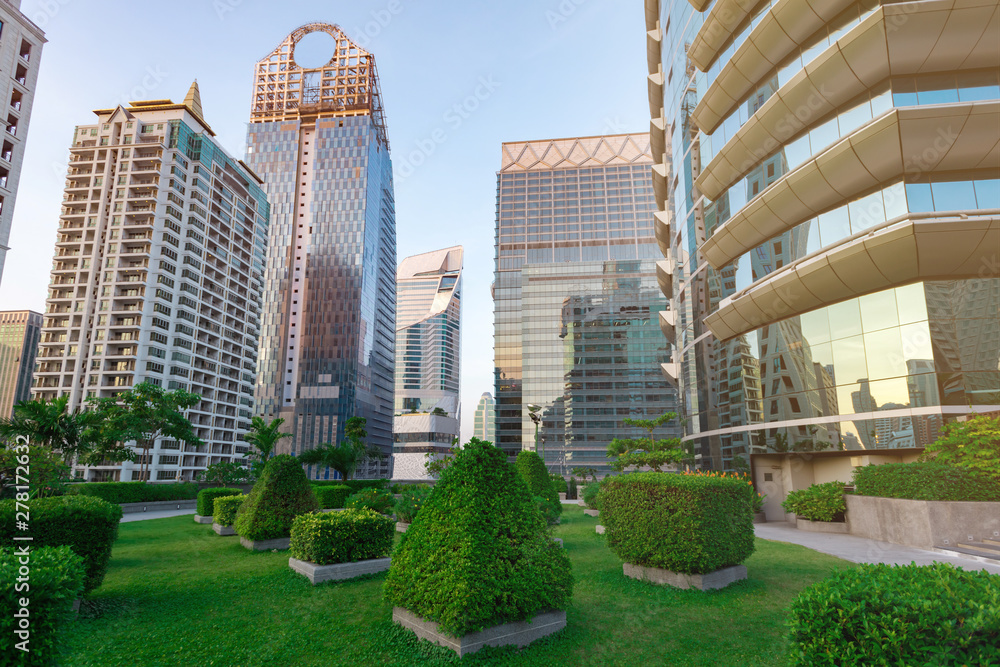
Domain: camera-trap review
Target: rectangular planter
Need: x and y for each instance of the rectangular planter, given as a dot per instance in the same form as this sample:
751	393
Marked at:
202	519
225	531
562	496
921	523
520	633
592	512
712	580
839	527
401	527
279	543
159	506
759	517
317	574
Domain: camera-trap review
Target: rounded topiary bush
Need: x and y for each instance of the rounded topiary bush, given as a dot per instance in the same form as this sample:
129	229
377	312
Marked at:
898	615
591	496
225	509
532	469
206	499
478	553
280	495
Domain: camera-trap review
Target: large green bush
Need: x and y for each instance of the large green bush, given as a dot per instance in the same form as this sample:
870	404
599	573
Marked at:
342	537
206	499
411	499
898	615
379	500
924	481
225	509
88	525
281	494
135	492
973	444
478	554
532	469
693	524
819	502
54	580
332	497
559	483
591	496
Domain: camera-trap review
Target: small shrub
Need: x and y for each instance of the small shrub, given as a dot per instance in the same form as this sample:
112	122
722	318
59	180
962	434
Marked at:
412	498
571	493
225	509
898	615
281	494
758	501
87	525
532	469
332	497
591	496
57	576
342	537
135	492
379	500
480	554
559	483
820	502
925	481
973	444
693	524
206	499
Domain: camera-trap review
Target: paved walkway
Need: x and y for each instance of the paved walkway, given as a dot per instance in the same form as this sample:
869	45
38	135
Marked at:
142	516
862	550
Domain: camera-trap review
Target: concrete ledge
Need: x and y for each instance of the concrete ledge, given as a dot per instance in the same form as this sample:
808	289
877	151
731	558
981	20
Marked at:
592	512
821	526
317	574
225	531
401	527
712	580
759	517
924	524
599	529
279	543
159	506
202	519
520	633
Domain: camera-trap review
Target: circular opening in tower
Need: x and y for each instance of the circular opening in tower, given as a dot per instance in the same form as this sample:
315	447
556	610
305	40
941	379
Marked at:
314	50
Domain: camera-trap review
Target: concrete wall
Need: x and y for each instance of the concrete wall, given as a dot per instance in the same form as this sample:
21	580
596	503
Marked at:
921	523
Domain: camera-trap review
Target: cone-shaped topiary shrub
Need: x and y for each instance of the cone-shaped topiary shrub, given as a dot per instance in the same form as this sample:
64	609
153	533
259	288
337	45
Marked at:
281	494
532	469
478	553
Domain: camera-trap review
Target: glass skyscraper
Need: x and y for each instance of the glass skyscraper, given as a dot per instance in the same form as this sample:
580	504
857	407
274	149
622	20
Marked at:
485	419
576	298
318	139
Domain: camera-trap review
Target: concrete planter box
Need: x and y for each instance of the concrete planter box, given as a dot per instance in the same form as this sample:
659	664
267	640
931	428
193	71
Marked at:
202	519
159	506
821	526
225	531
592	512
562	496
279	543
599	529
520	633
317	574
921	523
759	517
401	527
712	580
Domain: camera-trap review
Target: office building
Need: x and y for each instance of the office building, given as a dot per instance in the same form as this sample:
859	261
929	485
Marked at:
483	425
317	137
428	351
157	277
827	181
20	54
576	298
20	331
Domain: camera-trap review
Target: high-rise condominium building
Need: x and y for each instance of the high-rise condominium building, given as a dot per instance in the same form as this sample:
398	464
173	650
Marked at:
20	53
157	277
576	300
318	138
826	176
428	349
20	331
484	426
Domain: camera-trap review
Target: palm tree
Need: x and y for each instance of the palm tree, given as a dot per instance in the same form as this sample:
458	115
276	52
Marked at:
344	458
265	436
51	424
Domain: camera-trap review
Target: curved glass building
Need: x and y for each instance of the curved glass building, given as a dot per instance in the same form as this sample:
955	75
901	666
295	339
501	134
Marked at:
829	212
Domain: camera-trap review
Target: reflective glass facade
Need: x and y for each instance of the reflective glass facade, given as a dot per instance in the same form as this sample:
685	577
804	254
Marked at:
485	419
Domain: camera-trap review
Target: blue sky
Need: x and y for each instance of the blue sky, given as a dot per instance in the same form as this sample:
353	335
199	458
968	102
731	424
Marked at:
458	79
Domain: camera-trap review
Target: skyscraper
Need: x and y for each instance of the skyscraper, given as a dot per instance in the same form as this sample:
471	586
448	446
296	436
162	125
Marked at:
484	426
318	138
428	350
20	52
20	331
826	179
576	298
157	277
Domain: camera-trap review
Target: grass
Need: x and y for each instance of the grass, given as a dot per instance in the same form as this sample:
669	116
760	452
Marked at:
178	594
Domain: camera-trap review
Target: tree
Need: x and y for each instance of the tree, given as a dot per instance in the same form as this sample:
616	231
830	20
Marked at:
144	413
650	452
47	473
439	412
436	463
349	454
225	473
50	424
583	473
265	437
972	444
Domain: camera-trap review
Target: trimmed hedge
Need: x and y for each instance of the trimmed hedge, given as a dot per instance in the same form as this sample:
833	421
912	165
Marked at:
332	497
532	469
206	499
694	524
478	554
898	615
412	498
88	525
355	484
591	496
342	537
280	495
819	502
379	500
925	481
56	581
135	492
225	509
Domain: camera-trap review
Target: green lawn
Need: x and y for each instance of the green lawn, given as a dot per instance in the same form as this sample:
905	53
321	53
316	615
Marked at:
178	594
